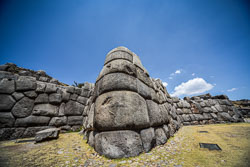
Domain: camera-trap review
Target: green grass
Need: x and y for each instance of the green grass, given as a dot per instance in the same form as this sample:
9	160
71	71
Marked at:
183	149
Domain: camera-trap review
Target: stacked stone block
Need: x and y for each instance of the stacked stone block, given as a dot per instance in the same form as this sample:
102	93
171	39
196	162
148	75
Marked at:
28	105
128	113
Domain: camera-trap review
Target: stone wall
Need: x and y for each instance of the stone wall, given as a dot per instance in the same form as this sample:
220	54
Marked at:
130	113
30	102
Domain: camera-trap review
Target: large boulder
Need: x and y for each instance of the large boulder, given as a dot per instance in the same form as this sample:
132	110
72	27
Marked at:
7	86
26	83
118	110
48	134
73	108
32	121
45	110
148	139
118	144
6	119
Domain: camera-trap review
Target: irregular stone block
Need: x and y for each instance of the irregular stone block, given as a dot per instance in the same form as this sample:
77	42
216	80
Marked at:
6	102
6	120
48	134
82	100
91	139
40	87
73	108
8	75
73	97
61	109
32	94
32	121
55	98
89	123
70	89
118	66
148	139
119	54
7	86
11	133
218	108
26	83
144	77
155	114
50	88
58	121
160	136
45	110
42	98
23	108
85	93
43	79
118	144
166	130
31	131
75	120
117	81
224	116
65	96
120	110
78	91
144	90
17	95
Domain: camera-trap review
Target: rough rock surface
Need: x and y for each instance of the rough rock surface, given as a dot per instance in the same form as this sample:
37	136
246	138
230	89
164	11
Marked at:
48	134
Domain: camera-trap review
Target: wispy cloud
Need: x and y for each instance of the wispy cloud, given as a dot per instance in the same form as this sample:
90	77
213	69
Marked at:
174	73
177	71
191	87
231	90
193	74
165	84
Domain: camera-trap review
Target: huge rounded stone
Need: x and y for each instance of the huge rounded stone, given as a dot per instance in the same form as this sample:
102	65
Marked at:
119	53
26	83
120	110
73	108
7	86
118	144
23	108
45	110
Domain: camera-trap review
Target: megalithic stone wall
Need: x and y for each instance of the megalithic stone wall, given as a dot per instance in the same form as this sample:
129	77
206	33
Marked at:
130	113
32	101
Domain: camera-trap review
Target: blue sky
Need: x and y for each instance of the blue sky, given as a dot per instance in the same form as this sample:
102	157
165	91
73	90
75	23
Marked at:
194	46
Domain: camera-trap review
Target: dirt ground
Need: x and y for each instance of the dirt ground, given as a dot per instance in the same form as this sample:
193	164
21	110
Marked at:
181	150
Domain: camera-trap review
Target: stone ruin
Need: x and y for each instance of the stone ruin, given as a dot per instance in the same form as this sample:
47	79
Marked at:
130	113
124	114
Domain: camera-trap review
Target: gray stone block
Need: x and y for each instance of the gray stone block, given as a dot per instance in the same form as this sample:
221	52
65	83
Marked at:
58	121
17	95
82	100
23	108
75	120
160	136
42	98
25	83
155	114
45	110
7	86
120	110
51	88
55	98
32	121
70	89
73	108
40	87
148	139
6	102
118	144
48	134
31	94
6	120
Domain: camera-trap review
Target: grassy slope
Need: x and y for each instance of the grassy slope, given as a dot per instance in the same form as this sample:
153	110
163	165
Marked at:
183	149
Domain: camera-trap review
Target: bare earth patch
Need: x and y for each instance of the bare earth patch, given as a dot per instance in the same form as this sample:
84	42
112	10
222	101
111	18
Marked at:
181	150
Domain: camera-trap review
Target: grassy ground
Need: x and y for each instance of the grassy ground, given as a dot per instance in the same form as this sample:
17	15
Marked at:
181	150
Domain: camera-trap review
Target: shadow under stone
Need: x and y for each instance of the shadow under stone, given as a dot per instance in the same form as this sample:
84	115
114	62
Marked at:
210	146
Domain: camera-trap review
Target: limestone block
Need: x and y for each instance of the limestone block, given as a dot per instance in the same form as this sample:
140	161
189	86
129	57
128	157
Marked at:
40	87
117	81
31	131
120	110
6	102
148	139
23	108
73	108
73	97
48	134
6	120
17	95
7	86
58	121
42	98
144	90
25	83
160	136
31	94
78	91
119	54
45	110
70	89
61	109
155	114
50	88
118	144
75	120
82	100
55	98
32	121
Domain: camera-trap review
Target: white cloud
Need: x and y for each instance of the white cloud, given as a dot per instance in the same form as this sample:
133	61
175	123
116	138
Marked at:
170	77
193	74
231	90
191	87
165	84
177	71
